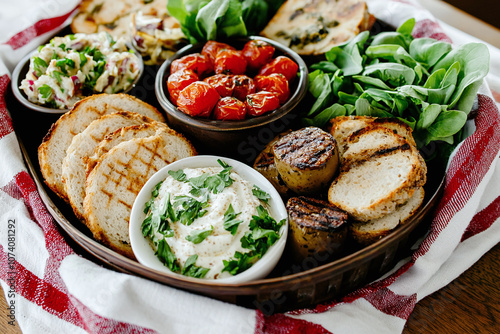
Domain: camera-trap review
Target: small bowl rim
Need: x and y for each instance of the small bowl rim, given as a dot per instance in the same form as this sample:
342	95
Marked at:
144	253
226	126
21	97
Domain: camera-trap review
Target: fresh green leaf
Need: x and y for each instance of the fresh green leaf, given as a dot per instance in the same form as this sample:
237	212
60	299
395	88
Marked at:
198	236
474	65
191	270
39	65
392	73
178	175
230	222
46	91
428	51
166	256
448	123
261	194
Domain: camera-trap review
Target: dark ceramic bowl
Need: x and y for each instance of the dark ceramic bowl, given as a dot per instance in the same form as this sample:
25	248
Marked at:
216	136
22	68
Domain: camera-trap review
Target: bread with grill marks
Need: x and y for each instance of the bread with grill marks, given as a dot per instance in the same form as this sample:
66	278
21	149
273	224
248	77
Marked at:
117	178
73	172
119	136
52	151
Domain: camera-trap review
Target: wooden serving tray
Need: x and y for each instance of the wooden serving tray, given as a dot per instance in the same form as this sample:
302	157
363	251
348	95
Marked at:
291	285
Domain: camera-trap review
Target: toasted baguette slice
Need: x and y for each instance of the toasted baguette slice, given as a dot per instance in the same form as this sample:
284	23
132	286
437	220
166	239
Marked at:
375	187
52	151
371	231
73	172
371	140
119	136
342	127
117	178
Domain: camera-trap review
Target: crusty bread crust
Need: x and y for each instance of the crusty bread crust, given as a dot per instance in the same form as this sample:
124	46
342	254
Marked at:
117	178
371	231
73	172
54	145
119	136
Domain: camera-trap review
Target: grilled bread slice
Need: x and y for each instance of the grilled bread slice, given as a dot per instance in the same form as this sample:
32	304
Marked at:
364	143
52	151
117	178
342	127
73	172
375	187
314	27
369	232
119	136
306	159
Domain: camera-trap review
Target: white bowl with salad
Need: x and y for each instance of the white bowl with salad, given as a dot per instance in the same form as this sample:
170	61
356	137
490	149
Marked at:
211	218
58	74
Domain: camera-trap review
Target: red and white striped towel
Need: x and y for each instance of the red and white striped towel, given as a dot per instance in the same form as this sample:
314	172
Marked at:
50	289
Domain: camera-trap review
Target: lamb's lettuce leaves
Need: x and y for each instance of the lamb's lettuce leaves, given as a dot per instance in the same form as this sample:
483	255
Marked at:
425	83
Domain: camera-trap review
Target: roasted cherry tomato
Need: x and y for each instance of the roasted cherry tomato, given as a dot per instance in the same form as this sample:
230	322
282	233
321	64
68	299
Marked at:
283	65
223	84
195	62
261	103
212	48
230	62
257	53
198	99
275	83
243	86
179	80
230	109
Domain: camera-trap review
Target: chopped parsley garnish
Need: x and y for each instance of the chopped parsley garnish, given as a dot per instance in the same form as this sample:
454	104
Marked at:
57	75
230	222
39	65
190	209
45	91
83	59
264	232
185	209
191	270
179	175
261	194
166	256
198	236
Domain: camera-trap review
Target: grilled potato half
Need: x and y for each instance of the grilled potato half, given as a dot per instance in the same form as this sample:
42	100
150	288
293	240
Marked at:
306	159
318	230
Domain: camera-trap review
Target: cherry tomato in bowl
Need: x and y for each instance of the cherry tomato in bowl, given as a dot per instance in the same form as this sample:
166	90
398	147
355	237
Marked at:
283	65
230	109
217	133
275	83
198	99
257	53
179	80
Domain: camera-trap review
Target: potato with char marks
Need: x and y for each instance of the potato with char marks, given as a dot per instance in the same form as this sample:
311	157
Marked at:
306	159
317	229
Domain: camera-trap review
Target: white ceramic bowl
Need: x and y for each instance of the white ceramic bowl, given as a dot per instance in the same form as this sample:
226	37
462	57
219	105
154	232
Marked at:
145	253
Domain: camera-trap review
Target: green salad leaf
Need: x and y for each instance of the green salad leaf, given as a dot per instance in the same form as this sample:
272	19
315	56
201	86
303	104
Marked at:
425	83
203	20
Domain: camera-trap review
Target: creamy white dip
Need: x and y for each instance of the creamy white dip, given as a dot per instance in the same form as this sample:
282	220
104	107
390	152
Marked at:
220	244
69	68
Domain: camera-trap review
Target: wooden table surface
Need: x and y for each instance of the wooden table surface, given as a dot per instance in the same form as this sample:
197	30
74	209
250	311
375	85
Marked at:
469	304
